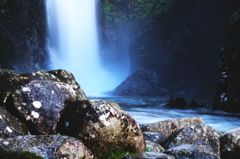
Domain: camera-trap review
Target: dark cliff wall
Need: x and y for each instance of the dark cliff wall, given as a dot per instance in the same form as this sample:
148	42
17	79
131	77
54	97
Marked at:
228	85
23	33
177	40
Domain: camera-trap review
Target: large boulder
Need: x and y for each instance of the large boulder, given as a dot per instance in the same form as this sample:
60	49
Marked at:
201	135
46	146
188	151
40	103
167	127
40	97
11	126
10	82
230	144
102	126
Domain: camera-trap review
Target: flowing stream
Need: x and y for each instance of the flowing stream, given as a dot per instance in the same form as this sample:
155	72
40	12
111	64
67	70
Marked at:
148	110
74	46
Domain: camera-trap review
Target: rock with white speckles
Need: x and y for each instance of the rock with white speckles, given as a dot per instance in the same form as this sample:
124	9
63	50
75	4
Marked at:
201	135
189	151
167	127
46	146
10	126
10	82
36	104
230	144
101	125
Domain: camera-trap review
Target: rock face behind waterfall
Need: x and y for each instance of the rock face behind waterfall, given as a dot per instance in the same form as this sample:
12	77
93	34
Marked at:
23	35
228	88
141	83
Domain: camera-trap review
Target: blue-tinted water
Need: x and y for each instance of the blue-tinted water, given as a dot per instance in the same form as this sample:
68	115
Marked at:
147	110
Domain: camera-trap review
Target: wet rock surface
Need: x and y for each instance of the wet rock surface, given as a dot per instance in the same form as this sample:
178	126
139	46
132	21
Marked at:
11	126
230	144
152	146
46	146
202	135
154	137
167	127
101	126
188	151
149	155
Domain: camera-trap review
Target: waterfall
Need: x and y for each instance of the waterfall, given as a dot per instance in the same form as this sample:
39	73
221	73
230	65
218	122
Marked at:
73	44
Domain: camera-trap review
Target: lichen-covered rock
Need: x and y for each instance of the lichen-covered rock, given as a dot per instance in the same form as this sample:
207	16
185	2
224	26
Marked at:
154	137
188	151
10	126
149	155
68	78
201	135
46	146
230	144
167	127
152	146
9	83
101	126
41	103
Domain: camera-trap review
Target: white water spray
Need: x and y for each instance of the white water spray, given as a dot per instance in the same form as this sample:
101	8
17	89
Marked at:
73	44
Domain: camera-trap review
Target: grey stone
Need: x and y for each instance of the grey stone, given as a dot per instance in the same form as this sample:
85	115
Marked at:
167	127
191	151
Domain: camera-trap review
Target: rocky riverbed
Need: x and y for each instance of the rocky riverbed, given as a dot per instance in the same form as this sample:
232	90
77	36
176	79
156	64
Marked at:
47	114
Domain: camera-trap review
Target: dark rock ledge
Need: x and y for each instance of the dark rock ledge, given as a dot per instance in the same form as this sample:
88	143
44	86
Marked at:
48	114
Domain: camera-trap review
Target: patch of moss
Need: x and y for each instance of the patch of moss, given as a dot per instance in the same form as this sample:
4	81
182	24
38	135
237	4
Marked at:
113	153
21	155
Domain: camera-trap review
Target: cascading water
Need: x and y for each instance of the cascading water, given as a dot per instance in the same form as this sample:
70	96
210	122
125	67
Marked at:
73	44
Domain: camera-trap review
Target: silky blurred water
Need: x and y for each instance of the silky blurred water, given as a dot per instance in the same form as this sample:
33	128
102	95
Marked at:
148	110
74	44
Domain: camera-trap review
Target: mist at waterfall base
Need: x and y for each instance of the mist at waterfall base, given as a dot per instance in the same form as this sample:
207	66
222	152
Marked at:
74	46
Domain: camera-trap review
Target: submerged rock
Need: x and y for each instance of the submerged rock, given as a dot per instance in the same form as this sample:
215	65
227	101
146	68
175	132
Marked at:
11	126
189	151
201	135
46	146
230	144
102	126
167	127
149	155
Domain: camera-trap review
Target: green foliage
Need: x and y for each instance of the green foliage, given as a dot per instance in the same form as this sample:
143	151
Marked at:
113	153
21	155
147	149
